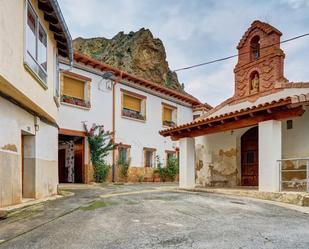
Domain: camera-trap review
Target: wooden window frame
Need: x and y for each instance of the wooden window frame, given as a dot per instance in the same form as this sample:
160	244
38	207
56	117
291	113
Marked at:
70	100
36	70
123	146
153	150
142	98
174	112
174	152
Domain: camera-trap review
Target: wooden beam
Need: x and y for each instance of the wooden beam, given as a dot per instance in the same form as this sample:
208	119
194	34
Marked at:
54	28
241	123
69	132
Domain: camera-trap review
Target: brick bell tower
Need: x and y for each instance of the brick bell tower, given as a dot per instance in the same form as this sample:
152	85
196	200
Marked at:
260	65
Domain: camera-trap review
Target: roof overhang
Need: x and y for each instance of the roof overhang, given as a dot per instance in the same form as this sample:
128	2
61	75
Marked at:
122	75
276	110
53	15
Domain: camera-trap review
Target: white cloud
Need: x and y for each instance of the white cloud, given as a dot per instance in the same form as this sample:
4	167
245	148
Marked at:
296	4
213	86
197	31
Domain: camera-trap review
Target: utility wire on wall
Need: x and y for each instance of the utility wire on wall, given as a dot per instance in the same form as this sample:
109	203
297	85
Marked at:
235	55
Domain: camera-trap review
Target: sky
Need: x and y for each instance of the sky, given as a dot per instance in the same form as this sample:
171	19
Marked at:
195	31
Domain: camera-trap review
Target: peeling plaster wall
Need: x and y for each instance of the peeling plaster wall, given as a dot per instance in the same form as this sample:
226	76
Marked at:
40	160
295	144
218	158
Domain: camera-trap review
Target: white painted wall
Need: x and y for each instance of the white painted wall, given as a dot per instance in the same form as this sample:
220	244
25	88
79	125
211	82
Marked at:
12	48
43	156
269	152
72	117
187	163
221	151
135	133
141	134
295	141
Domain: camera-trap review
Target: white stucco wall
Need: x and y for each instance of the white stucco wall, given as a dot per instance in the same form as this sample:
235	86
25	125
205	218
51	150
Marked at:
12	50
41	157
222	151
218	157
295	141
141	134
135	133
72	117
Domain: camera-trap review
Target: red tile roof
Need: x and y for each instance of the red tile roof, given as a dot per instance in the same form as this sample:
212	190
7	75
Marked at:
240	112
136	80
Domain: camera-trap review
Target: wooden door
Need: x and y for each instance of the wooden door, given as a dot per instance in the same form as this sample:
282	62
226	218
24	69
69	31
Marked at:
61	166
250	158
79	161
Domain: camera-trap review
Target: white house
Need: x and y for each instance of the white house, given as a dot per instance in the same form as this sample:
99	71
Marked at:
33	33
135	109
259	137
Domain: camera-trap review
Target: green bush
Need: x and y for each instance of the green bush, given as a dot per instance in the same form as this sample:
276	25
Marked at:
124	167
169	172
100	143
101	172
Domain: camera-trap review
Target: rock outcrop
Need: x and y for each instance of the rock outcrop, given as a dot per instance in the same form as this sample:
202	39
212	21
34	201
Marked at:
138	53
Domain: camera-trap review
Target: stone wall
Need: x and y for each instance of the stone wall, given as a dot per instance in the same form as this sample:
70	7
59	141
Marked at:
135	174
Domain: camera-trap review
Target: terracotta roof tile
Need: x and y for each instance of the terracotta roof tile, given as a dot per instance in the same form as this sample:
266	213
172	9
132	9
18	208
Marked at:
136	80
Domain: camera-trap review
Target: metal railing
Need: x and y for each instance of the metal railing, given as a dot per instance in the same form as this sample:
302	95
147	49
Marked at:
294	174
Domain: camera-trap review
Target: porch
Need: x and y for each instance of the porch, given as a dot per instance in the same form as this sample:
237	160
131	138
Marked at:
248	147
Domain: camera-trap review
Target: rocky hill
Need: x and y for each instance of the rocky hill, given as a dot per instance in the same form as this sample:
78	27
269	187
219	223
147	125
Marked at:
138	53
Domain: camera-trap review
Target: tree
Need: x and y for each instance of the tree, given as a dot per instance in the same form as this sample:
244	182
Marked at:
100	143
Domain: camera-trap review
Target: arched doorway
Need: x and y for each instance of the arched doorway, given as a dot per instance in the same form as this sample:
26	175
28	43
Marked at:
250	158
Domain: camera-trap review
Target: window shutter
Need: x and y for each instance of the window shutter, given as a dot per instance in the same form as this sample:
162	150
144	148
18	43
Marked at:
74	88
167	114
131	103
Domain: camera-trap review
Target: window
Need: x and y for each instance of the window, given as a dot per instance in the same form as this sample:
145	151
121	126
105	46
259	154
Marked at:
149	157
170	154
75	89
36	45
255	48
169	115
123	154
133	105
195	116
289	124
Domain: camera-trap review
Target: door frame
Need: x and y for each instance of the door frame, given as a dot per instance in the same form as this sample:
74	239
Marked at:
82	135
256	156
22	164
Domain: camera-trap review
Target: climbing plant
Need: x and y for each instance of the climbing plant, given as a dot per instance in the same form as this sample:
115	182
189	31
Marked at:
100	143
170	171
124	167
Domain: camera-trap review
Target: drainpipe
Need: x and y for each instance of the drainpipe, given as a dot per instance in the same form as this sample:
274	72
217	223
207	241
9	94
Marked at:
114	126
111	76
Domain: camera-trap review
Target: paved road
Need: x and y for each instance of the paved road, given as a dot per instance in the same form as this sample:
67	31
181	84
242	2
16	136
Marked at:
148	216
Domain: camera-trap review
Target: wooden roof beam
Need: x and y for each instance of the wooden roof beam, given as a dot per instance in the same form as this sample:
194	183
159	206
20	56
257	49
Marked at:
241	123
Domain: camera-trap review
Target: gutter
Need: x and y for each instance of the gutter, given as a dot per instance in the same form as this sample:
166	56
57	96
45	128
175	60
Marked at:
67	34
